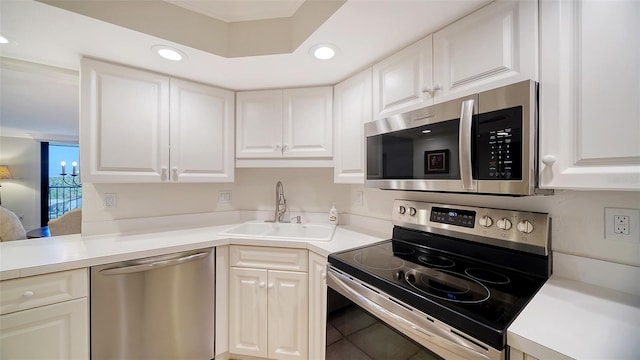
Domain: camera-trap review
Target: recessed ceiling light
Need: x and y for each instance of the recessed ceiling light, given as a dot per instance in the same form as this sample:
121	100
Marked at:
169	53
3	40
324	51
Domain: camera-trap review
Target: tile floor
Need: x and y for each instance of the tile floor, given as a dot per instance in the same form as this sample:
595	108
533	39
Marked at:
353	334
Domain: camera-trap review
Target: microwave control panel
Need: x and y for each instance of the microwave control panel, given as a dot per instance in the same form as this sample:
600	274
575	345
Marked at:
499	147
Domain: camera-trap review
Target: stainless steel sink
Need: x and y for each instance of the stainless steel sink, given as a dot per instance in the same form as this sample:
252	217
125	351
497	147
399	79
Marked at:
282	231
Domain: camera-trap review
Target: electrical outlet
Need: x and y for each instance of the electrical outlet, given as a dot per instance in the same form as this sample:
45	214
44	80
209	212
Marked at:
359	198
109	201
622	224
224	197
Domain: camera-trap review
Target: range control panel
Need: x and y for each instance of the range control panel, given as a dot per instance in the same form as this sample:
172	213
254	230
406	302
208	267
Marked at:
450	216
522	230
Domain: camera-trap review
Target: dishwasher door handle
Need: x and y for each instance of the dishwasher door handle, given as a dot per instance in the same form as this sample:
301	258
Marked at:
153	265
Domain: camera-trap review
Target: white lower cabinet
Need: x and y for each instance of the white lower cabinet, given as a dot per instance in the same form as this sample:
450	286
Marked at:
317	306
268	303
516	354
45	317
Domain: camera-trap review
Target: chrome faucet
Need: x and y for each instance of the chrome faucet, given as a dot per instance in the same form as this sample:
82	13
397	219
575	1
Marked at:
281	204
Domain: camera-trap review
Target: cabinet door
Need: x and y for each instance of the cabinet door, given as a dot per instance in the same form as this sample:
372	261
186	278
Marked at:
589	95
494	46
288	315
248	312
58	331
317	306
308	122
202	136
259	124
352	108
124	132
403	81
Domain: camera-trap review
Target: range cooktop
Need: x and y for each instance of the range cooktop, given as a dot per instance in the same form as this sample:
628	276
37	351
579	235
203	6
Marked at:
442	265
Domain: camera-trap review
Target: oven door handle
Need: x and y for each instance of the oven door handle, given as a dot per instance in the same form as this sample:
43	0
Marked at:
443	339
466	167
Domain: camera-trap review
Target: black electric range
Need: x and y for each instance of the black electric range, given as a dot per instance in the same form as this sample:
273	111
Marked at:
473	269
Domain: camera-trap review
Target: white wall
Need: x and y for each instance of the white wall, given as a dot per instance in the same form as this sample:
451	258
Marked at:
22	195
577	216
306	190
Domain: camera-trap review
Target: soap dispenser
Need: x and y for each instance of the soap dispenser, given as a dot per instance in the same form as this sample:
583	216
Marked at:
333	214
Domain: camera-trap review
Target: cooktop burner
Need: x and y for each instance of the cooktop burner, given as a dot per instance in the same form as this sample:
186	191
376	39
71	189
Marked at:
487	276
403	250
437	261
447	285
376	260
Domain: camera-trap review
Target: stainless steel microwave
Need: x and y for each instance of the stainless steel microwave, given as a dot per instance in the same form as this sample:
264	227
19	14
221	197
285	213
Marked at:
484	143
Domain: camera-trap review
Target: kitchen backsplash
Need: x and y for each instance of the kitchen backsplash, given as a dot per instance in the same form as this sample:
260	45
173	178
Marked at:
577	228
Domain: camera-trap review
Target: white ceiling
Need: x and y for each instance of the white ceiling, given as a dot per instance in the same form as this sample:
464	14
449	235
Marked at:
241	10
364	30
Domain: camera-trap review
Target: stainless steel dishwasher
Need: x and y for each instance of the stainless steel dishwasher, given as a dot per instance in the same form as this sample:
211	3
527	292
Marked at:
154	308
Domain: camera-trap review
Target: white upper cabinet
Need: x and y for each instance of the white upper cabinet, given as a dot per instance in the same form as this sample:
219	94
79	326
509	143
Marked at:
259	124
290	126
201	133
124	124
590	95
128	117
308	122
404	80
493	46
352	108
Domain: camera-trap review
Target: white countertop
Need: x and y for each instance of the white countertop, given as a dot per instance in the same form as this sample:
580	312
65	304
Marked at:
566	319
572	319
38	256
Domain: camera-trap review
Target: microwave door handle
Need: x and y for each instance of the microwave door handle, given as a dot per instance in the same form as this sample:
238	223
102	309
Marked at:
466	119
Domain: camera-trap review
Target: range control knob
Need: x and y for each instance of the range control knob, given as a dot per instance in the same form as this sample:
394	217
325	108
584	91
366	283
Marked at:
402	209
504	224
412	211
486	221
525	226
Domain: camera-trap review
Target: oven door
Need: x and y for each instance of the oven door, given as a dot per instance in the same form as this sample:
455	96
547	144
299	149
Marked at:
429	149
429	336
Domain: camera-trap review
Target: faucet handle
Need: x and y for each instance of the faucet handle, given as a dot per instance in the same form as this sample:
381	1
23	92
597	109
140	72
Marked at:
297	218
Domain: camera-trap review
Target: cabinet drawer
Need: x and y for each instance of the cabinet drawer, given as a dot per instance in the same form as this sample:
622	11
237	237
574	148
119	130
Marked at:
58	331
268	258
34	291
